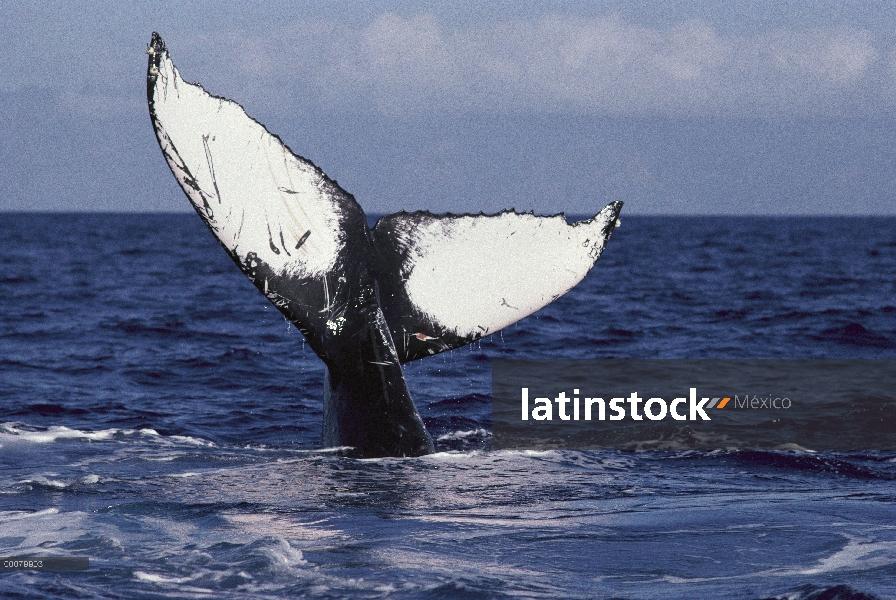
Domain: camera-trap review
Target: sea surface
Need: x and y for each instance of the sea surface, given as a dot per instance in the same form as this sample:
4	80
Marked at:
158	416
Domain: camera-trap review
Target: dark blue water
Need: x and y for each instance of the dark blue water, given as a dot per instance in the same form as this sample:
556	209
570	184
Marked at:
160	417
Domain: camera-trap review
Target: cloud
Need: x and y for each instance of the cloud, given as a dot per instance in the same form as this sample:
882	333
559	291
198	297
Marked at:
604	65
419	65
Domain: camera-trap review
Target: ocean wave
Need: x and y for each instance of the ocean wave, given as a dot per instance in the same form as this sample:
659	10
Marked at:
16	433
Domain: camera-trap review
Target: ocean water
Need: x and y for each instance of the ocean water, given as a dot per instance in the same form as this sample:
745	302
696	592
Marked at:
160	417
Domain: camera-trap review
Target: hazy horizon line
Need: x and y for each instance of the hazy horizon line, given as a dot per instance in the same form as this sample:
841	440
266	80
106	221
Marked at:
577	216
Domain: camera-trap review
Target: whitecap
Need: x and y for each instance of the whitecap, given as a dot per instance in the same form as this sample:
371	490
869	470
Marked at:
459	435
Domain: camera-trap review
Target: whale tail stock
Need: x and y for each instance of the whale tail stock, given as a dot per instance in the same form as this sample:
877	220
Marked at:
366	300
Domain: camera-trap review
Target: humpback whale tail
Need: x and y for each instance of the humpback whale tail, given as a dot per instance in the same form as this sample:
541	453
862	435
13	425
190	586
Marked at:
366	300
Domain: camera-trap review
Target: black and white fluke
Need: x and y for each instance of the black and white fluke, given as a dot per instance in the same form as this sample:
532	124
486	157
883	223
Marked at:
366	300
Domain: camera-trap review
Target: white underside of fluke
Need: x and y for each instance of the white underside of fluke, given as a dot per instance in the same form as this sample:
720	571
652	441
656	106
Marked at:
254	193
476	274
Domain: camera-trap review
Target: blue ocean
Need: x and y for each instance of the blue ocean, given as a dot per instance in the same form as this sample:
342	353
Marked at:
160	417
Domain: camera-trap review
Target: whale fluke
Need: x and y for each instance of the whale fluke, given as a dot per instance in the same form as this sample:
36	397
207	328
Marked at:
366	300
452	279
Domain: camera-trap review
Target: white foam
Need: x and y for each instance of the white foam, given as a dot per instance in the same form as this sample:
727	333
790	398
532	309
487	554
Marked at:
18	433
185	439
453	456
281	526
153	578
285	556
856	555
460	435
17	515
795	448
9	433
43	480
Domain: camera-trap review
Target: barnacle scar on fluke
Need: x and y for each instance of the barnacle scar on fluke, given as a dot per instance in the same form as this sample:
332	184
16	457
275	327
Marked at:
366	300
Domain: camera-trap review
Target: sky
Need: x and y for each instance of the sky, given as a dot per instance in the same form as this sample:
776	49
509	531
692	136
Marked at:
733	108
